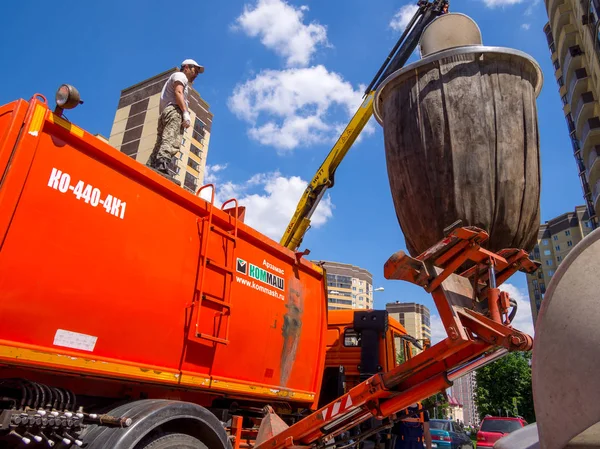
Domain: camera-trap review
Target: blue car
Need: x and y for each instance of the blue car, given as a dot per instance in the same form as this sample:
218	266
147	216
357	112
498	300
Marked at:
447	434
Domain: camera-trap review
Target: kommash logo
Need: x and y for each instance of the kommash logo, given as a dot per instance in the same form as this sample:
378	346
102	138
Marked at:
261	274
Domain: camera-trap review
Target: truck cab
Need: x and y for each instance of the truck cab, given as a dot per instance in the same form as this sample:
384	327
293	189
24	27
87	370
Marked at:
361	343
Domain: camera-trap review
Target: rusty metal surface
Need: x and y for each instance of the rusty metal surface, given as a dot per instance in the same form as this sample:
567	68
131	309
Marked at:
566	353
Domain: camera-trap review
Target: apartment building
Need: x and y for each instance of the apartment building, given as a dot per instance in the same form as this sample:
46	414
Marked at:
348	286
573	40
556	238
136	119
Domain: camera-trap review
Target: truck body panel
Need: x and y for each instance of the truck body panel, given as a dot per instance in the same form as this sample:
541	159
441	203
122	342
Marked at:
103	261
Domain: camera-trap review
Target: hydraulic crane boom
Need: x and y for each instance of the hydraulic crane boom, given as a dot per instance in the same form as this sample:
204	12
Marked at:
324	178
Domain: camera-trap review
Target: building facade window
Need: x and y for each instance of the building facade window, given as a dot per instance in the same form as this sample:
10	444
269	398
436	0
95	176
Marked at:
549	263
569	243
198	133
557	247
195	150
555	237
190	181
567	232
192	163
545	242
547	252
550	273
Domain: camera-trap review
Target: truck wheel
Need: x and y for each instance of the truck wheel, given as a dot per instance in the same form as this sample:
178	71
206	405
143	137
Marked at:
174	441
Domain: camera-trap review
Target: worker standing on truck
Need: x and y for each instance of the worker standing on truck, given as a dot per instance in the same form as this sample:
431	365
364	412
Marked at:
412	430
174	115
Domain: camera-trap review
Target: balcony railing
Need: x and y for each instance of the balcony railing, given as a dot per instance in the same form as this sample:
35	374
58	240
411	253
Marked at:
572	61
578	82
584	104
591	127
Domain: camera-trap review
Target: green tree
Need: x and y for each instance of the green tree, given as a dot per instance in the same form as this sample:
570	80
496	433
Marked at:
437	406
505	386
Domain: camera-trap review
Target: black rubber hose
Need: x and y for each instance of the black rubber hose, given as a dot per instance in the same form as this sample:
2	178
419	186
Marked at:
59	397
50	396
513	312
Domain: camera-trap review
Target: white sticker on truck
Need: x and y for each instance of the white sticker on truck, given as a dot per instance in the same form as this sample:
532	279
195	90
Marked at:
74	340
61	181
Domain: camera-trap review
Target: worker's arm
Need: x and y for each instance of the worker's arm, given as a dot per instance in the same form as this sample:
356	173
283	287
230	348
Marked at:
181	103
427	434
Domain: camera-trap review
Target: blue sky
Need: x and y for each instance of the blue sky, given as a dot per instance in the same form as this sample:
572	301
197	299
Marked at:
282	78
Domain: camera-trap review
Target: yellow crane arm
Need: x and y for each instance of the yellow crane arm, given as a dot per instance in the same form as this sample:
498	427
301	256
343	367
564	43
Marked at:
427	11
324	178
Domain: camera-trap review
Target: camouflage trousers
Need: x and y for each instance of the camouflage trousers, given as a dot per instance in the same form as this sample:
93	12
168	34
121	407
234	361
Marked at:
169	135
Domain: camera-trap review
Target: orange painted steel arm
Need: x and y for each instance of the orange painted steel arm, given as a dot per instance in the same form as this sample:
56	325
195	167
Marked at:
473	338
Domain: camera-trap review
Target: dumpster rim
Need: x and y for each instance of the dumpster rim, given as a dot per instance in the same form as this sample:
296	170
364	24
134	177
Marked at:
433	58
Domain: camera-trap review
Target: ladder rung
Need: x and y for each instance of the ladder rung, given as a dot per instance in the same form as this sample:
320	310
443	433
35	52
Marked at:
219	266
212	338
222	233
212	298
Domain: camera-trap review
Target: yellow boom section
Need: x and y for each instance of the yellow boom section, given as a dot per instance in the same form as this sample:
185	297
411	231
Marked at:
300	222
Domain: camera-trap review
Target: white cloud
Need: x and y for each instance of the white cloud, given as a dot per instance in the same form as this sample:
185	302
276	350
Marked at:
270	200
210	173
523	320
526	26
280	27
496	3
402	18
438	332
292	108
531	7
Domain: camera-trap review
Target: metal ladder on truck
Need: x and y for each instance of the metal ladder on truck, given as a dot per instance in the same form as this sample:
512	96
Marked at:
475	314
227	270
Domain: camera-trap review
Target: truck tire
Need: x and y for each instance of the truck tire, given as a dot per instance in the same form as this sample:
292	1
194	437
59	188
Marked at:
173	441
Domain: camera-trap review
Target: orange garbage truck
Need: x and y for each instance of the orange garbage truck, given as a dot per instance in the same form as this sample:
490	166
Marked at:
134	314
137	315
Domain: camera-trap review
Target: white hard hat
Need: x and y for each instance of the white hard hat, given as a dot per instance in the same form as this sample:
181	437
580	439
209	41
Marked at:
194	63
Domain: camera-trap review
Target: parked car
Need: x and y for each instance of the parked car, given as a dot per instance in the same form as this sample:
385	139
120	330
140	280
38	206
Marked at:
447	434
494	427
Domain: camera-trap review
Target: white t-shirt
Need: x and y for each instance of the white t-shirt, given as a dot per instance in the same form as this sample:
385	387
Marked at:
167	95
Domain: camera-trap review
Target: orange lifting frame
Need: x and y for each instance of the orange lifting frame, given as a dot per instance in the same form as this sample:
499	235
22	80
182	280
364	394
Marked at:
474	313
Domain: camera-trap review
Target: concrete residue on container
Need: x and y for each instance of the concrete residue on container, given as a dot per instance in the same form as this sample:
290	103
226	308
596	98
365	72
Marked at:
291	329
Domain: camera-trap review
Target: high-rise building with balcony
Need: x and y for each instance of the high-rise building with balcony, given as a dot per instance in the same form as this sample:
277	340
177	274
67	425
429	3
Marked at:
556	238
414	317
573	39
464	389
134	129
348	286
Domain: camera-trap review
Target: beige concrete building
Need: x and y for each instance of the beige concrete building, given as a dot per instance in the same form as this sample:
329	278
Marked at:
464	389
414	317
556	238
572	34
348	286
134	129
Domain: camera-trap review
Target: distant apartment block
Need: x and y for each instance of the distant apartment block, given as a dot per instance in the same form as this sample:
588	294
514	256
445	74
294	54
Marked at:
134	129
414	317
464	389
348	286
556	238
573	39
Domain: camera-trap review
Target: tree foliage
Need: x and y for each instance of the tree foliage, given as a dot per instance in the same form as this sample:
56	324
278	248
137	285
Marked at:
437	406
504	383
